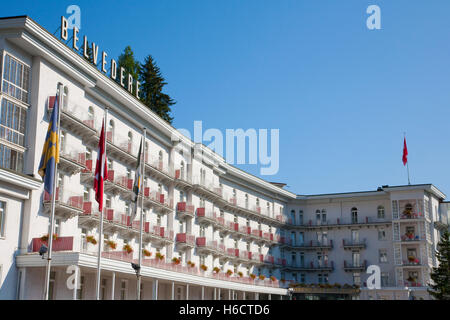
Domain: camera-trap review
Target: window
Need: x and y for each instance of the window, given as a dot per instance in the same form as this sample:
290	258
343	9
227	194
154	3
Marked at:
357	278
83	239
12	131
123	290
411	253
293	216
293	240
381	234
80	291
300	217
103	289
380	212
302	259
51	288
385	279
318	216
246	201
110	132
324	216
294	258
2	218
356	258
86	193
16	79
294	277
354	215
108	201
202	231
88	154
383	255
355	236
62	141
65	97
58	226
109	164
300	238
302	277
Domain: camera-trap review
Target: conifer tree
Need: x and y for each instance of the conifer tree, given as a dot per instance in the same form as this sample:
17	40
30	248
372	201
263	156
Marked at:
152	83
440	289
131	66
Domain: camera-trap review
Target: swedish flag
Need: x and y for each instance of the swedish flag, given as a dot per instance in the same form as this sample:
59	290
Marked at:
50	152
137	182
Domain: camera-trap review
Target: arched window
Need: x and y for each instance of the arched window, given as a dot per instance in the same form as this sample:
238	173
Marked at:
160	188
130	136
181	196
62	140
65	97
300	217
257	202
318	216
380	210
324	216
91	117
292	216
354	215
110	131
182	170
268	209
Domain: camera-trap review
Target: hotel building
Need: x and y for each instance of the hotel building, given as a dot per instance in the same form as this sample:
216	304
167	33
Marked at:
233	235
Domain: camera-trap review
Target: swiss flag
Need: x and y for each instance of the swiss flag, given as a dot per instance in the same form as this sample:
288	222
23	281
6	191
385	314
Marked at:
405	152
101	171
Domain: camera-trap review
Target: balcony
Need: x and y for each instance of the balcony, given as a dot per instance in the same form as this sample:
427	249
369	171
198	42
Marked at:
308	245
410	237
205	246
206	217
72	162
58	244
75	120
118	185
67	204
185	211
181	180
353	244
159	236
321	266
121	148
351	266
411	261
206	188
87	173
185	240
158	201
158	170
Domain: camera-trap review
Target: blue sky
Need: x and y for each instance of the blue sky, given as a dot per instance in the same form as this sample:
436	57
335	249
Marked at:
341	95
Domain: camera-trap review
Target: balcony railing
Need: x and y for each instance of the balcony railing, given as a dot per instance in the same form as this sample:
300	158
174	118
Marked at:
185	210
67	203
355	266
353	244
410	237
412	261
185	239
58	244
72	161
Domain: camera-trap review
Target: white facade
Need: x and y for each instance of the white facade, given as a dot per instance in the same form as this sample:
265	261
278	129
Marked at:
200	210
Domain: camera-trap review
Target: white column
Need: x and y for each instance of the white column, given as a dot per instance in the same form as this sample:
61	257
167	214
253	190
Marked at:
215	295
113	285
256	296
219	294
243	295
173	290
203	293
22	283
229	294
270	296
155	289
187	291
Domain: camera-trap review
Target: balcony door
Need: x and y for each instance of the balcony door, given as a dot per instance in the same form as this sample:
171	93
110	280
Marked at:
355	236
356	258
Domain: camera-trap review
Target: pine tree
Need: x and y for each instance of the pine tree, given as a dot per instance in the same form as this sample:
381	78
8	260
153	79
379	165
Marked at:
440	290
152	83
131	66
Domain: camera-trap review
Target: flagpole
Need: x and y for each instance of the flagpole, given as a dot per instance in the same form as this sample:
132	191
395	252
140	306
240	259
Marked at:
142	216
407	162
100	238
52	207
